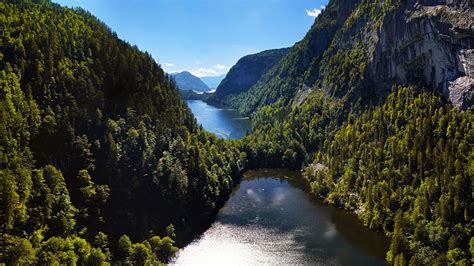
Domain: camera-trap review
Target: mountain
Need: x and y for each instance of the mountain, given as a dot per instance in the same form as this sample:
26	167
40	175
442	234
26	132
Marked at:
100	159
357	50
213	82
247	71
375	106
187	82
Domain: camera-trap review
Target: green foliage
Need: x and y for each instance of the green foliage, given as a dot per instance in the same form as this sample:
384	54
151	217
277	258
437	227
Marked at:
153	251
141	254
17	250
285	136
97	257
96	143
124	247
404	166
162	248
303	67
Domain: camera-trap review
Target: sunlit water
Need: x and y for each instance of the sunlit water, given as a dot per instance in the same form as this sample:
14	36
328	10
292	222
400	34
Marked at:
224	122
271	219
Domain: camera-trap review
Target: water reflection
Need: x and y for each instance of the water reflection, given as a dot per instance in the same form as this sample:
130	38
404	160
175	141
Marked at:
270	219
224	122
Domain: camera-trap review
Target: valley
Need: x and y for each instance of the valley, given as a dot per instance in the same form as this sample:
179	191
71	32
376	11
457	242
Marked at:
225	122
272	218
365	127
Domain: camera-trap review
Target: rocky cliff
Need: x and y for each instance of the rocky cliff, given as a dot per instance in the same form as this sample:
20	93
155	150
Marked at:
430	43
358	50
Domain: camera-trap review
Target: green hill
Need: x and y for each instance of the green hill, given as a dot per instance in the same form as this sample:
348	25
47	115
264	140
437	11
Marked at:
95	143
247	71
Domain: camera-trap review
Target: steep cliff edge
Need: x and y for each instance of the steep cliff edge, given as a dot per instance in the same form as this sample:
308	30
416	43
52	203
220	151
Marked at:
358	50
429	43
300	67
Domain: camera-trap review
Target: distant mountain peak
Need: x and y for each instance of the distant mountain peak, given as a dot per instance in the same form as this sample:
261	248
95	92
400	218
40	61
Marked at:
188	82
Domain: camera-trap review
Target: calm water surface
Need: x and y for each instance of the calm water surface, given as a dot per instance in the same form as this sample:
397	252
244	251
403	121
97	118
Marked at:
271	219
224	122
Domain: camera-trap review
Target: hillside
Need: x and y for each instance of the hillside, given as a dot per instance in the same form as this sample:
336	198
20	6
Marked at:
371	105
359	49
188	82
100	160
403	166
247	71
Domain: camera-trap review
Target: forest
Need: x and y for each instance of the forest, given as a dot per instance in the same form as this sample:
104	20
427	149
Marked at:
102	162
405	166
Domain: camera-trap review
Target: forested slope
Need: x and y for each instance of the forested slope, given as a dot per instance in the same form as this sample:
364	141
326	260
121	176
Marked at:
358	49
248	71
100	161
400	157
405	166
96	143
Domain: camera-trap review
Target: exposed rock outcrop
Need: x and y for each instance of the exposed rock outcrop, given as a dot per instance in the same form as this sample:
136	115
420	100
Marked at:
357	50
428	43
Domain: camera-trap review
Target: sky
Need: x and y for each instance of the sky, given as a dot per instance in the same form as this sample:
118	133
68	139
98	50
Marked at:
205	37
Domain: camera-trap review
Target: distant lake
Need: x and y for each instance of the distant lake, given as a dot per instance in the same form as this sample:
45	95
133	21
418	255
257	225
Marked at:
271	219
224	122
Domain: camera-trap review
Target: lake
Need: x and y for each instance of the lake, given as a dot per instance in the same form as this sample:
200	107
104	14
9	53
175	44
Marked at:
271	218
224	122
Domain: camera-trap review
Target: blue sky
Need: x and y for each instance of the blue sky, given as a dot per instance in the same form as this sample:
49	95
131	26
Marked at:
205	37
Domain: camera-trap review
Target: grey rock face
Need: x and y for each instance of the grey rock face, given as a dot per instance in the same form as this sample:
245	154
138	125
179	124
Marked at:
461	90
428	43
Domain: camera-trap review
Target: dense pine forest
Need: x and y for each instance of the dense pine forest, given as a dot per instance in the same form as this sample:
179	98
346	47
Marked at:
401	157
102	162
405	167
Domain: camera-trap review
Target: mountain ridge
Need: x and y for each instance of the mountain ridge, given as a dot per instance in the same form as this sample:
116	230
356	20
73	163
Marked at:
248	70
188	82
347	54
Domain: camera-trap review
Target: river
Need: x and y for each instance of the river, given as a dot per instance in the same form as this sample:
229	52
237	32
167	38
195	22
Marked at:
271	218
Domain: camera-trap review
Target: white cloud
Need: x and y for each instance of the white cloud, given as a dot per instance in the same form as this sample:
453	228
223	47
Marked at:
198	62
220	67
169	64
314	12
204	72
